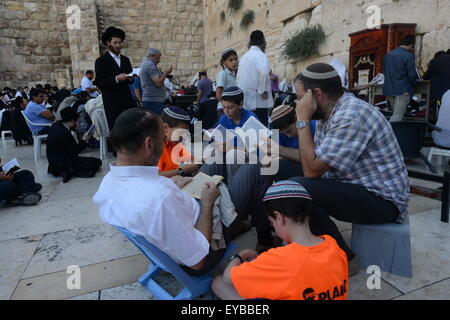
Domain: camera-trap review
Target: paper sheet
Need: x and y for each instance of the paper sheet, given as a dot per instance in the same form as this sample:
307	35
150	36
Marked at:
195	187
11	164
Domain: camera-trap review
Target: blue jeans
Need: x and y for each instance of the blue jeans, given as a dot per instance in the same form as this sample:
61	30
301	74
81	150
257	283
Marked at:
154	106
23	183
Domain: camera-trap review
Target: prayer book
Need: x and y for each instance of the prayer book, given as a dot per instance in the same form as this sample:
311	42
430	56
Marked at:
11	167
195	187
219	134
254	124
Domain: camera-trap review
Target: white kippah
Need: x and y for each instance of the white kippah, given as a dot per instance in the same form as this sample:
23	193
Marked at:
227	50
231	92
177	113
320	76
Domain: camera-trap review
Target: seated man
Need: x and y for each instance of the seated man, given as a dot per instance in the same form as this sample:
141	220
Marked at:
353	167
19	188
442	138
283	118
133	196
307	268
37	113
63	149
170	165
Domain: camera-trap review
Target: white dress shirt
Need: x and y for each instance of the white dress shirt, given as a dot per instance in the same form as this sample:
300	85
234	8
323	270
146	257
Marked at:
85	84
253	78
116	58
138	199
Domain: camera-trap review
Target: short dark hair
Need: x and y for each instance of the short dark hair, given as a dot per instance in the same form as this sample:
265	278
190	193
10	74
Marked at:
89	72
39	86
297	209
408	40
235	99
35	92
132	127
202	73
285	121
331	87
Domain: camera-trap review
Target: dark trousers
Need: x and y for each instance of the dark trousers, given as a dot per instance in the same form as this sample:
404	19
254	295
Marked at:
346	202
288	169
86	167
154	106
263	115
22	183
247	188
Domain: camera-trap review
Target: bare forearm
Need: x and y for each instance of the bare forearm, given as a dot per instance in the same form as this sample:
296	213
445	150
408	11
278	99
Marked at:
204	224
313	167
290	154
169	174
227	272
219	93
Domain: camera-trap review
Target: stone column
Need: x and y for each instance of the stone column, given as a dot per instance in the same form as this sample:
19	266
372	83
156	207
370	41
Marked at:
83	37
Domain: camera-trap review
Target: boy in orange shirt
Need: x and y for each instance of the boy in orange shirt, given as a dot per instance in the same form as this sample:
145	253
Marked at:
307	268
171	164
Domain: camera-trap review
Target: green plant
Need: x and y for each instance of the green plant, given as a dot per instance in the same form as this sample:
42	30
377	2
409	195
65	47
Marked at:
304	44
235	5
230	31
222	17
247	19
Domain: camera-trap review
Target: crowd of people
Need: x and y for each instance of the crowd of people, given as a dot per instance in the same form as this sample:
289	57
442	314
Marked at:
338	157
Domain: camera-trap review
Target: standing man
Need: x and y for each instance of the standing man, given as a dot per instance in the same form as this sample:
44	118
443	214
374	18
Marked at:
204	87
86	84
152	79
253	77
400	77
112	71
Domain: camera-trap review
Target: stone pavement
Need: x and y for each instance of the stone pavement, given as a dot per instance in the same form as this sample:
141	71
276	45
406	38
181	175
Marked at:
38	244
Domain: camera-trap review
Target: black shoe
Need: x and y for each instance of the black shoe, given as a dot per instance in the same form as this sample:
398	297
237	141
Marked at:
29	199
86	174
38	187
66	176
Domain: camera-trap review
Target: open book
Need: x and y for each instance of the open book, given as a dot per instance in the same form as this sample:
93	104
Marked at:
219	134
195	187
254	124
11	167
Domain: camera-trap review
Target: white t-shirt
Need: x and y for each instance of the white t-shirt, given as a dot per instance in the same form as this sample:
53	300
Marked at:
442	138
144	203
86	83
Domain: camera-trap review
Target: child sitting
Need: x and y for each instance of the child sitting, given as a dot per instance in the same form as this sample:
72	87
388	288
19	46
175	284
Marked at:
307	268
174	155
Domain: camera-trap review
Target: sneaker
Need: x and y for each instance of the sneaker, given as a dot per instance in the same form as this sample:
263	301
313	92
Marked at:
29	199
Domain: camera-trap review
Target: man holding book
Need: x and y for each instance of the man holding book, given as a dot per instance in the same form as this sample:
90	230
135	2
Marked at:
157	208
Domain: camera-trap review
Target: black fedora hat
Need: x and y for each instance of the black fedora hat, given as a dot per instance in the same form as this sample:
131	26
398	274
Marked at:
68	114
112	32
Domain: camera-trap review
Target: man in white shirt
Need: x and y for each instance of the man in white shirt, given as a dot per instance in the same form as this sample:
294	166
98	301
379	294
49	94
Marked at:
134	196
86	84
253	77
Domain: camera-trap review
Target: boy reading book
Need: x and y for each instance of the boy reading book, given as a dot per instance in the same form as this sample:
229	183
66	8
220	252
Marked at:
307	268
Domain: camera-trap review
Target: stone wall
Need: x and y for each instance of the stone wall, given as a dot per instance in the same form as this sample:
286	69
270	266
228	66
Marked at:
35	41
281	18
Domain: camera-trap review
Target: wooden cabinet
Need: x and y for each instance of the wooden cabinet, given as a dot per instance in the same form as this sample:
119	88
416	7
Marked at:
368	47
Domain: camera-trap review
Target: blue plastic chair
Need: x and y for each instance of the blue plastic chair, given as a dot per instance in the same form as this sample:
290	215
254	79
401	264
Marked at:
193	286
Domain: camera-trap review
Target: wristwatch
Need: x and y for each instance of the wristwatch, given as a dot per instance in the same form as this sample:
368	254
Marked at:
236	256
302	124
181	172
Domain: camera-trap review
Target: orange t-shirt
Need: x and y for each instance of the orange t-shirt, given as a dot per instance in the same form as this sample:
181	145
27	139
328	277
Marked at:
166	162
295	272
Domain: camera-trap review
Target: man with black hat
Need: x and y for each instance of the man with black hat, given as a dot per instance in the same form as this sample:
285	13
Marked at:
253	77
63	149
112	78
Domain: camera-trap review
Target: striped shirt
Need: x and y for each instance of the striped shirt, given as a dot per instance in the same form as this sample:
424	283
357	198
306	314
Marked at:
359	145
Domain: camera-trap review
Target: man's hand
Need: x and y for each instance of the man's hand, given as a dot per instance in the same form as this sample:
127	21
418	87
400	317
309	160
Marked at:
122	77
6	177
181	181
190	168
209	194
306	107
265	95
168	71
248	255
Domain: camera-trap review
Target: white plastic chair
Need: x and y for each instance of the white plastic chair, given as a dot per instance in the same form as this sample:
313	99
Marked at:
37	139
441	153
4	133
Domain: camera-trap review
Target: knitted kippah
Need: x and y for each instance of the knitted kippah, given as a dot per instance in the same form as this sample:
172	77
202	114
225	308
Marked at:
280	112
320	71
231	92
177	113
227	50
286	189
